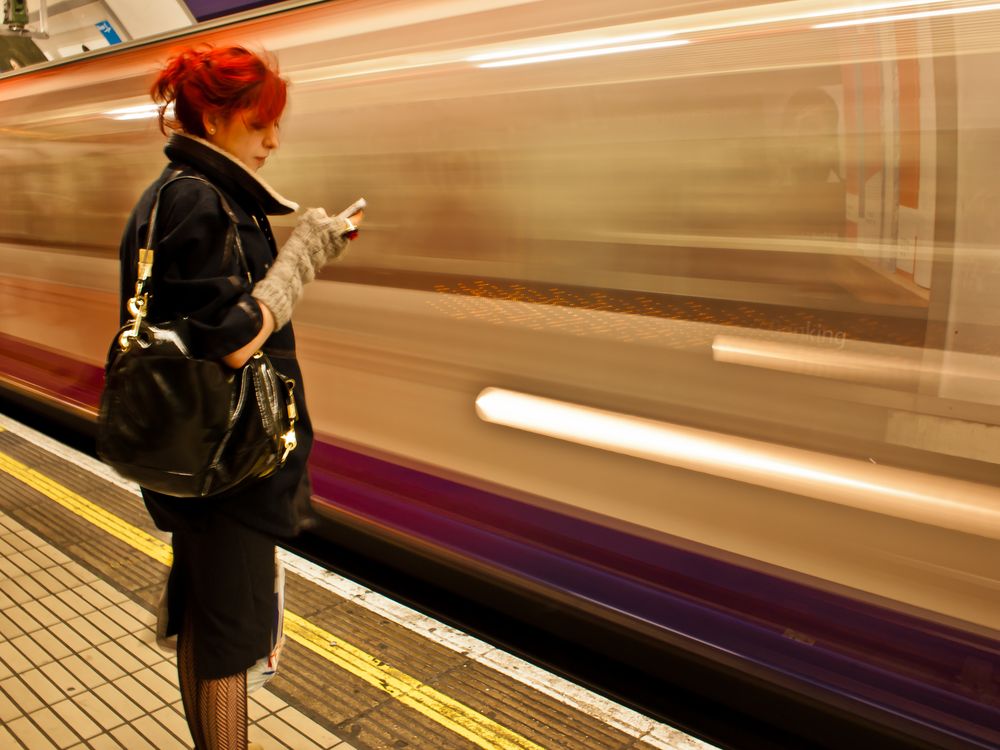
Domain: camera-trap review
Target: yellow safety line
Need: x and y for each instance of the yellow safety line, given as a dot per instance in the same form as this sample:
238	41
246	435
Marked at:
101	518
435	705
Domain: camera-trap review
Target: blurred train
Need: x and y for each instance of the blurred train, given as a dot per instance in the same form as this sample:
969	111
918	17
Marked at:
683	316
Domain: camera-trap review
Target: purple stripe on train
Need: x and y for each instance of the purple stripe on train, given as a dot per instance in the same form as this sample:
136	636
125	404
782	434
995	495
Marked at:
928	673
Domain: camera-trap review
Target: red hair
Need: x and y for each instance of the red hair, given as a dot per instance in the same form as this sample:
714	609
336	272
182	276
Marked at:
221	81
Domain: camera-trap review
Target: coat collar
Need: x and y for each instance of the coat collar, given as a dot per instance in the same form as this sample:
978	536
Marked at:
227	172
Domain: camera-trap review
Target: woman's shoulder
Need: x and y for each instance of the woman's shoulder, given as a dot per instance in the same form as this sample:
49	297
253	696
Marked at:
187	189
188	198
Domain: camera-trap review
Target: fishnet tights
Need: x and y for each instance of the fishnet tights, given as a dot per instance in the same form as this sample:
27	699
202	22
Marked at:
216	710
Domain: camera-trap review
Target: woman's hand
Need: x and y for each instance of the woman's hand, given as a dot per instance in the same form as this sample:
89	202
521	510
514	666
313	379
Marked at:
356	220
316	240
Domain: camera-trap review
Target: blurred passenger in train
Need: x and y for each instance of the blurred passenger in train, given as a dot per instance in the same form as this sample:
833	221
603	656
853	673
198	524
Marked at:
227	103
811	148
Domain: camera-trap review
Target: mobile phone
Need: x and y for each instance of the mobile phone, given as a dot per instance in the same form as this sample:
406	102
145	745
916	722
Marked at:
358	205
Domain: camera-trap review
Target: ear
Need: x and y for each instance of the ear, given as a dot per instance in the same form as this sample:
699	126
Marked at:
211	124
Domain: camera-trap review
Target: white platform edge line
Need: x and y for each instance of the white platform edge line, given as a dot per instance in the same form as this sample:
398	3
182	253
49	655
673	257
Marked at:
626	720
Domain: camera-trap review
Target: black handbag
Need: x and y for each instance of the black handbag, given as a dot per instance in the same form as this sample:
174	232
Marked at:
185	426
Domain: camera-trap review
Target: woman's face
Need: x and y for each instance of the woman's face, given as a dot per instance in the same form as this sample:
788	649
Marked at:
249	141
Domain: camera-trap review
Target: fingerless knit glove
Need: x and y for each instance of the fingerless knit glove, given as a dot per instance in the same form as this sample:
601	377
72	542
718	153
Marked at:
316	239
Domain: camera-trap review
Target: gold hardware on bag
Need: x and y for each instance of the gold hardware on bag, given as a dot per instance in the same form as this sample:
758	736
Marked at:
145	264
288	440
139	303
137	307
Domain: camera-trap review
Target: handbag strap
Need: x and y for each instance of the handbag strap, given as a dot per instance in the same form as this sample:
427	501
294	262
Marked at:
138	304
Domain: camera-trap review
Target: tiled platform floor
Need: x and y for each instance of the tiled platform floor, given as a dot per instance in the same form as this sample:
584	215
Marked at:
79	667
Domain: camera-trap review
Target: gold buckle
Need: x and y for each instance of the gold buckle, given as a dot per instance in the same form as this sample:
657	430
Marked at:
288	439
289	442
137	308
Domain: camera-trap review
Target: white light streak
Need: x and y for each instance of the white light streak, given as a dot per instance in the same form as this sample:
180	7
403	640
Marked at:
581	44
908	16
841	11
138	112
584	53
805	16
135	116
925	498
615	44
900	367
313	76
138	109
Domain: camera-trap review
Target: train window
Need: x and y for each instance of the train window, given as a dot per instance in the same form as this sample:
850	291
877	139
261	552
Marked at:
798	199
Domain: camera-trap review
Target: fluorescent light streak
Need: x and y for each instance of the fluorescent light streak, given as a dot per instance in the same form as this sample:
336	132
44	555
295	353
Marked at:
615	44
901	367
140	108
804	16
864	362
925	498
909	16
136	116
138	112
581	44
841	11
316	76
584	53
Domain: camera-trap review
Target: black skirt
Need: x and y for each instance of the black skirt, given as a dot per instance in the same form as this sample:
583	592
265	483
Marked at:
223	577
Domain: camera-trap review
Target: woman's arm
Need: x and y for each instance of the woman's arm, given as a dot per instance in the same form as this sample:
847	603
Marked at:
239	358
199	281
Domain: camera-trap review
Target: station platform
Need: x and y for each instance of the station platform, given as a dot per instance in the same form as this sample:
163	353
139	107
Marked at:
81	570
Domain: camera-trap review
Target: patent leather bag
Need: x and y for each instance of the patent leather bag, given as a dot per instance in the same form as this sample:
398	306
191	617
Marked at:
185	426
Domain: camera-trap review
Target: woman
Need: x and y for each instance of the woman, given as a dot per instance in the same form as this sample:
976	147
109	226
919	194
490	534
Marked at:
227	105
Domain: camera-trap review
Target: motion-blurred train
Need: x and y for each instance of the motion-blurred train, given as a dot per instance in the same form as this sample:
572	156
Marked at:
682	316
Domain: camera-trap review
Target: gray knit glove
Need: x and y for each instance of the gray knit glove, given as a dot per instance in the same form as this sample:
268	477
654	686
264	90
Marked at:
316	239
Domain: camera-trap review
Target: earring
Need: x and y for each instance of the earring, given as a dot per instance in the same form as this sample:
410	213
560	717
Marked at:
211	131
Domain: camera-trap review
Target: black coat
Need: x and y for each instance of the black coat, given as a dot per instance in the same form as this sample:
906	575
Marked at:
191	278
